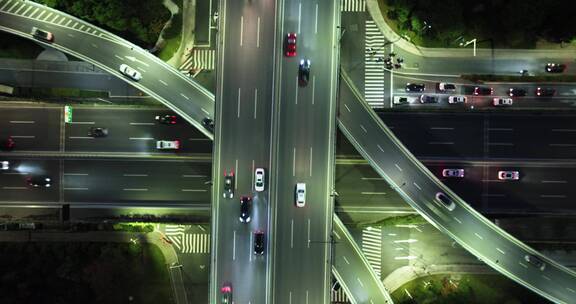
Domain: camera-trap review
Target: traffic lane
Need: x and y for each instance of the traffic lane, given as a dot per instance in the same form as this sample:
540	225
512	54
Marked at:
159	181
421	189
176	89
138	132
32	128
15	187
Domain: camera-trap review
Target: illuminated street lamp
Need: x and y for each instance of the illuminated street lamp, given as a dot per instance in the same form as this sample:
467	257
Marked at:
473	41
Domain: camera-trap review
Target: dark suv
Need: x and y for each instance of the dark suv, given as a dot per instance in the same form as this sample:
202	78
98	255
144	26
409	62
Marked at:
245	209
517	92
259	242
555	67
98	132
304	72
228	185
483	91
415	87
208	123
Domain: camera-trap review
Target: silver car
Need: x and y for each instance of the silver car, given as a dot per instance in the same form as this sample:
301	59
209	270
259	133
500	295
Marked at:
453	173
130	72
300	194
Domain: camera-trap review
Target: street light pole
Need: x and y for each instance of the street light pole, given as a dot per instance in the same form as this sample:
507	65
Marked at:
473	41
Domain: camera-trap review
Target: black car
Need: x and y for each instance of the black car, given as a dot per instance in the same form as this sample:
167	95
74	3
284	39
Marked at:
7	144
245	209
228	185
535	261
42	34
517	92
259	242
304	72
208	123
555	67
39	181
167	119
415	87
445	200
483	91
428	99
98	132
545	92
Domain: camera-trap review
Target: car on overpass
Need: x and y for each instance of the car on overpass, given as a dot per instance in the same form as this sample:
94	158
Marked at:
226	292
42	34
259	242
304	72
167	119
445	201
130	72
300	194
508	175
245	209
290	45
208	123
535	261
555	67
259	179
168	144
228	185
39	181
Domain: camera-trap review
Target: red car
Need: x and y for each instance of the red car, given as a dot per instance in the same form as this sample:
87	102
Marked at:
290	46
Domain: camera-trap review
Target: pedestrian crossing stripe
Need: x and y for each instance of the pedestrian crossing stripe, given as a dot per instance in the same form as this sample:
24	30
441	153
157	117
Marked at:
353	5
187	242
372	248
339	296
200	59
373	70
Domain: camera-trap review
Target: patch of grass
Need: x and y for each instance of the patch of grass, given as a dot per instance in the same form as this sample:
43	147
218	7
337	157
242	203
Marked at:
134	227
171	45
470	289
83	273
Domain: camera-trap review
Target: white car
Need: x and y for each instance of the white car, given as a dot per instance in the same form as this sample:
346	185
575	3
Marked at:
404	99
168	145
453	173
300	194
130	72
457	99
446	87
4	165
499	102
508	175
259	179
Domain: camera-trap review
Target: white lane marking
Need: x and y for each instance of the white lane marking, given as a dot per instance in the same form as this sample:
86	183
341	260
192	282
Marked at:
26	11
547	278
456	219
398	167
205	111
306	296
134	175
337	235
570	289
552	196
239	92
163	82
523	265
187	98
373	193
313	87
258	34
408	257
380	148
311	161
294	162
364	129
67	23
82	122
79	137
316	21
554	182
500	250
416	185
234	246
562	145
299	16
249	247
255	101
478	236
241	29
347	108
441	128
22	121
296	90
500	129
75	174
563	130
23	136
372	178
135	189
141	138
291	233
193	190
14	188
118	57
308	233
345	259
75	189
142	123
290	297
500	144
360	281
193	175
94	45
441	143
236	172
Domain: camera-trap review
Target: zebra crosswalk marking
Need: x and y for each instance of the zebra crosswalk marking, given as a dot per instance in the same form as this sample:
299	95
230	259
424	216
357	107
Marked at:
187	242
200	59
372	247
339	296
353	5
373	70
